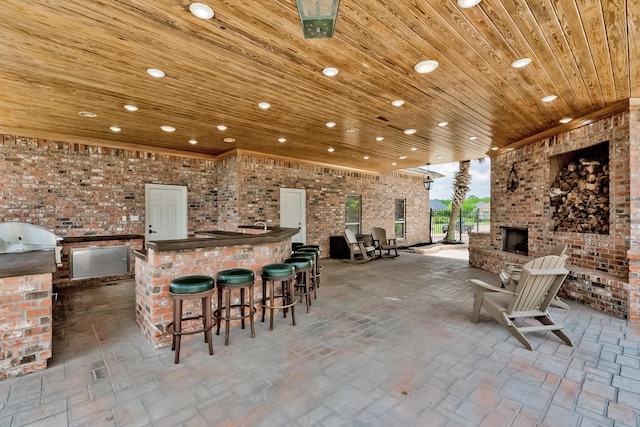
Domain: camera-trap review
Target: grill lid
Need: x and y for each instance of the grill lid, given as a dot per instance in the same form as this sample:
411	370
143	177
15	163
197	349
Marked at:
22	237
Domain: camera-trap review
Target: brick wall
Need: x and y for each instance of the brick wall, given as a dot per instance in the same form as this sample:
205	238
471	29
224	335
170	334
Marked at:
25	324
79	190
600	264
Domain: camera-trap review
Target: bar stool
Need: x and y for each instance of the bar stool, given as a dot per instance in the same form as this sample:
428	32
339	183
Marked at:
190	288
314	249
227	280
313	279
285	274
304	267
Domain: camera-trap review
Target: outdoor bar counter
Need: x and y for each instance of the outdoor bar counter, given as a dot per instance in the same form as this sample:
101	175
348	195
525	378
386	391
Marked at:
205	253
25	318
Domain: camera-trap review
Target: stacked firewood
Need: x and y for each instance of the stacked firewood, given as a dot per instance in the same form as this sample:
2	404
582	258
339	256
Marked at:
580	195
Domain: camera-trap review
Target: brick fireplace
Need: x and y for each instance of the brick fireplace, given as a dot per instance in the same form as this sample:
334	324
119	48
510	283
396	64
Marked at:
604	260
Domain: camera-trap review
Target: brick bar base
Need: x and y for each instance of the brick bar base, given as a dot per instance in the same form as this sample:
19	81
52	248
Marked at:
25	324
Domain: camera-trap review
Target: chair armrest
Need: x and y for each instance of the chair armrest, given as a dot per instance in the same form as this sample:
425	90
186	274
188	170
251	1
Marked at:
392	241
489	287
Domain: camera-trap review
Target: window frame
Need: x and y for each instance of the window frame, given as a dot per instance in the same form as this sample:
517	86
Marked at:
356	227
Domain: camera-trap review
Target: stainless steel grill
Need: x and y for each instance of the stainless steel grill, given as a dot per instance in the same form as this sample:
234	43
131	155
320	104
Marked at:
18	237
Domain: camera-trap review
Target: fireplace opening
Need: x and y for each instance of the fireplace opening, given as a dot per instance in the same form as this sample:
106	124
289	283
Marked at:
515	240
579	194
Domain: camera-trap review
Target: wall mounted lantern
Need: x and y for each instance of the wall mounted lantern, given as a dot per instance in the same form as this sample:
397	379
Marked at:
512	180
427	180
318	17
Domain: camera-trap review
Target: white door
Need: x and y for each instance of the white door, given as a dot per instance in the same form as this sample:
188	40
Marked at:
293	212
165	212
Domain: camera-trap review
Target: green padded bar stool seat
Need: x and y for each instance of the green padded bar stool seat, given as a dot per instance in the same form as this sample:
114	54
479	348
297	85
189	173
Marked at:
285	274
190	288
304	270
227	280
309	246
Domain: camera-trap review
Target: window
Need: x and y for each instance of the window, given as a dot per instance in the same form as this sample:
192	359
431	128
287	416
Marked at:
399	218
352	213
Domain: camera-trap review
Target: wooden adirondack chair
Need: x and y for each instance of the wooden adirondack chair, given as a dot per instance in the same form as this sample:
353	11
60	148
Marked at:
539	281
381	242
512	271
359	251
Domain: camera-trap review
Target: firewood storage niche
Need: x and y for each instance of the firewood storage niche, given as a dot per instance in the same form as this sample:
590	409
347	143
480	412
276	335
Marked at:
579	191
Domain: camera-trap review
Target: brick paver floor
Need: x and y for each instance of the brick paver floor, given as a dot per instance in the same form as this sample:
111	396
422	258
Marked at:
387	343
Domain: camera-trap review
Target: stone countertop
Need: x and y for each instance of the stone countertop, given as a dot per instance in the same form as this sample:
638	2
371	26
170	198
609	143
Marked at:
26	263
205	239
93	238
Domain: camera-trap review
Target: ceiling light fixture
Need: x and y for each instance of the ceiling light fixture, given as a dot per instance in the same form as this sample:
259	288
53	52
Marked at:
281	139
379	138
549	98
365	157
229	140
115	129
426	66
201	10
331	149
353	130
443	124
264	105
221	127
330	71
318	17
402	157
330	124
438	157
466	4
88	114
522	62
409	131
473	138
566	120
193	141
130	107
495	148
413	148
397	103
154	72
168	128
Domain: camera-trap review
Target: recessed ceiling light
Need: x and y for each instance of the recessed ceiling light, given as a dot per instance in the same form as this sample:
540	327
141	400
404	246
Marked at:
330	124
130	107
402	157
409	131
522	62
331	149
393	164
473	138
264	105
168	128
397	103
426	66
154	72
330	71
379	138
88	114
193	141
438	157
353	130
549	98
365	157
494	148
229	140
281	139
221	127
201	10
413	148
443	124
115	128
566	120
465	4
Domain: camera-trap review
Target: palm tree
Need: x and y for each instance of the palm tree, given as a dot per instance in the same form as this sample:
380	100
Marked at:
461	181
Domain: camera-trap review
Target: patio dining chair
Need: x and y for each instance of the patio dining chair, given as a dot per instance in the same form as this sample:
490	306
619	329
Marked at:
538	284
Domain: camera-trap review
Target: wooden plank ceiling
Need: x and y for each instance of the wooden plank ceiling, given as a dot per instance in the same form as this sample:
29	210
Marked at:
61	57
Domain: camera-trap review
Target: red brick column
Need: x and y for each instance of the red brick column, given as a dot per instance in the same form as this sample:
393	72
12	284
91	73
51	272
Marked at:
634	193
25	324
